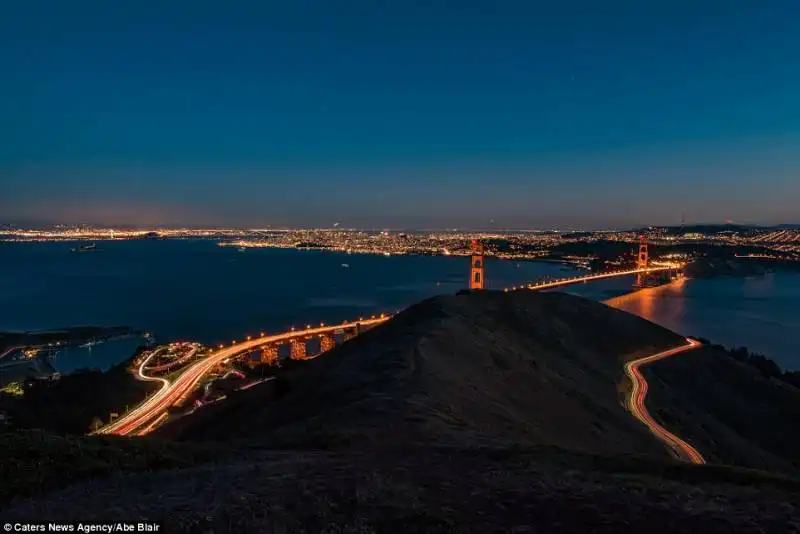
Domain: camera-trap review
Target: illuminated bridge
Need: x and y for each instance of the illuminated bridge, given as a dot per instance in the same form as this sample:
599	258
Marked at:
144	417
673	271
153	410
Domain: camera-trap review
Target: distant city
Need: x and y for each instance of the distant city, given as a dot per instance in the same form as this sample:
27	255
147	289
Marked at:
781	242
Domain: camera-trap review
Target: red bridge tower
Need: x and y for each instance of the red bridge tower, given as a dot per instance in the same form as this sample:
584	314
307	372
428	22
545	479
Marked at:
477	275
641	262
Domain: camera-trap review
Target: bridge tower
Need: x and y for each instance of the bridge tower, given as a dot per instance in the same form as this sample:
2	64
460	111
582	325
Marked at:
326	342
350	333
269	355
298	349
477	277
642	262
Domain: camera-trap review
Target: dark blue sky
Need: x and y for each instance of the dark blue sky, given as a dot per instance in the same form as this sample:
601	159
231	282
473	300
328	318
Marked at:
400	113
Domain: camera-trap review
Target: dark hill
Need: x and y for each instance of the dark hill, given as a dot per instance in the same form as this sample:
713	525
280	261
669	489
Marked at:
478	413
734	413
415	490
481	368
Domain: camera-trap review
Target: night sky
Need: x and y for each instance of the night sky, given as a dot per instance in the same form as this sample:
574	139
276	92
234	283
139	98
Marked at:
400	113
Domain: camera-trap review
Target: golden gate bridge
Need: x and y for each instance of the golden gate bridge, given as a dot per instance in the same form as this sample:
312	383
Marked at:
145	417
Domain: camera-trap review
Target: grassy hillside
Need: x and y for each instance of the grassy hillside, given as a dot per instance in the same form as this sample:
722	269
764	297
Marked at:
432	490
35	462
69	405
730	410
491	368
483	412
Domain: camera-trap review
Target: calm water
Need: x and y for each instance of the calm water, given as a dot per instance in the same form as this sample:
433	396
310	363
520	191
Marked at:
761	313
197	290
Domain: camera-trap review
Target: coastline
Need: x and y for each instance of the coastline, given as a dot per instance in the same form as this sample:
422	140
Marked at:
426	253
53	344
66	336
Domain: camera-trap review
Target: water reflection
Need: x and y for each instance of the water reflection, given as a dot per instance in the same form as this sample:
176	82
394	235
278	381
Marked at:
760	313
647	303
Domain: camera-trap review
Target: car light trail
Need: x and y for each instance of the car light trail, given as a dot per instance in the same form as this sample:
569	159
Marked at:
637	397
176	391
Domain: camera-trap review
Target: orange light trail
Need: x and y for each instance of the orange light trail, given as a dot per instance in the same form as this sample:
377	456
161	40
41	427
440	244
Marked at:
636	406
173	392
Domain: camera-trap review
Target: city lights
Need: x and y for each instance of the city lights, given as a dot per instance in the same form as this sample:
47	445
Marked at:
507	245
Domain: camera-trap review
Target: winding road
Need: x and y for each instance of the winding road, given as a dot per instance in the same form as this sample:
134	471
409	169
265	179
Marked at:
636	406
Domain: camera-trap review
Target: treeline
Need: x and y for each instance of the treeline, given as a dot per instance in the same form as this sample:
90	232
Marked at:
767	367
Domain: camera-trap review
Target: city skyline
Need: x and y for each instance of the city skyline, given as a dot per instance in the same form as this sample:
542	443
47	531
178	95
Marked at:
491	117
33	225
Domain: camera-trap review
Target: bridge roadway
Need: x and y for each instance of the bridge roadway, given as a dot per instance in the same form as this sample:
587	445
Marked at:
561	282
173	392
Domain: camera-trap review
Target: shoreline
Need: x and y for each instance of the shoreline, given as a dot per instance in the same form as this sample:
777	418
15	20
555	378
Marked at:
50	343
758	264
349	252
65	336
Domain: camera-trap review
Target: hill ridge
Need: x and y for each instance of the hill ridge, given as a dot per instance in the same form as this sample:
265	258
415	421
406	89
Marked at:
483	412
476	367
